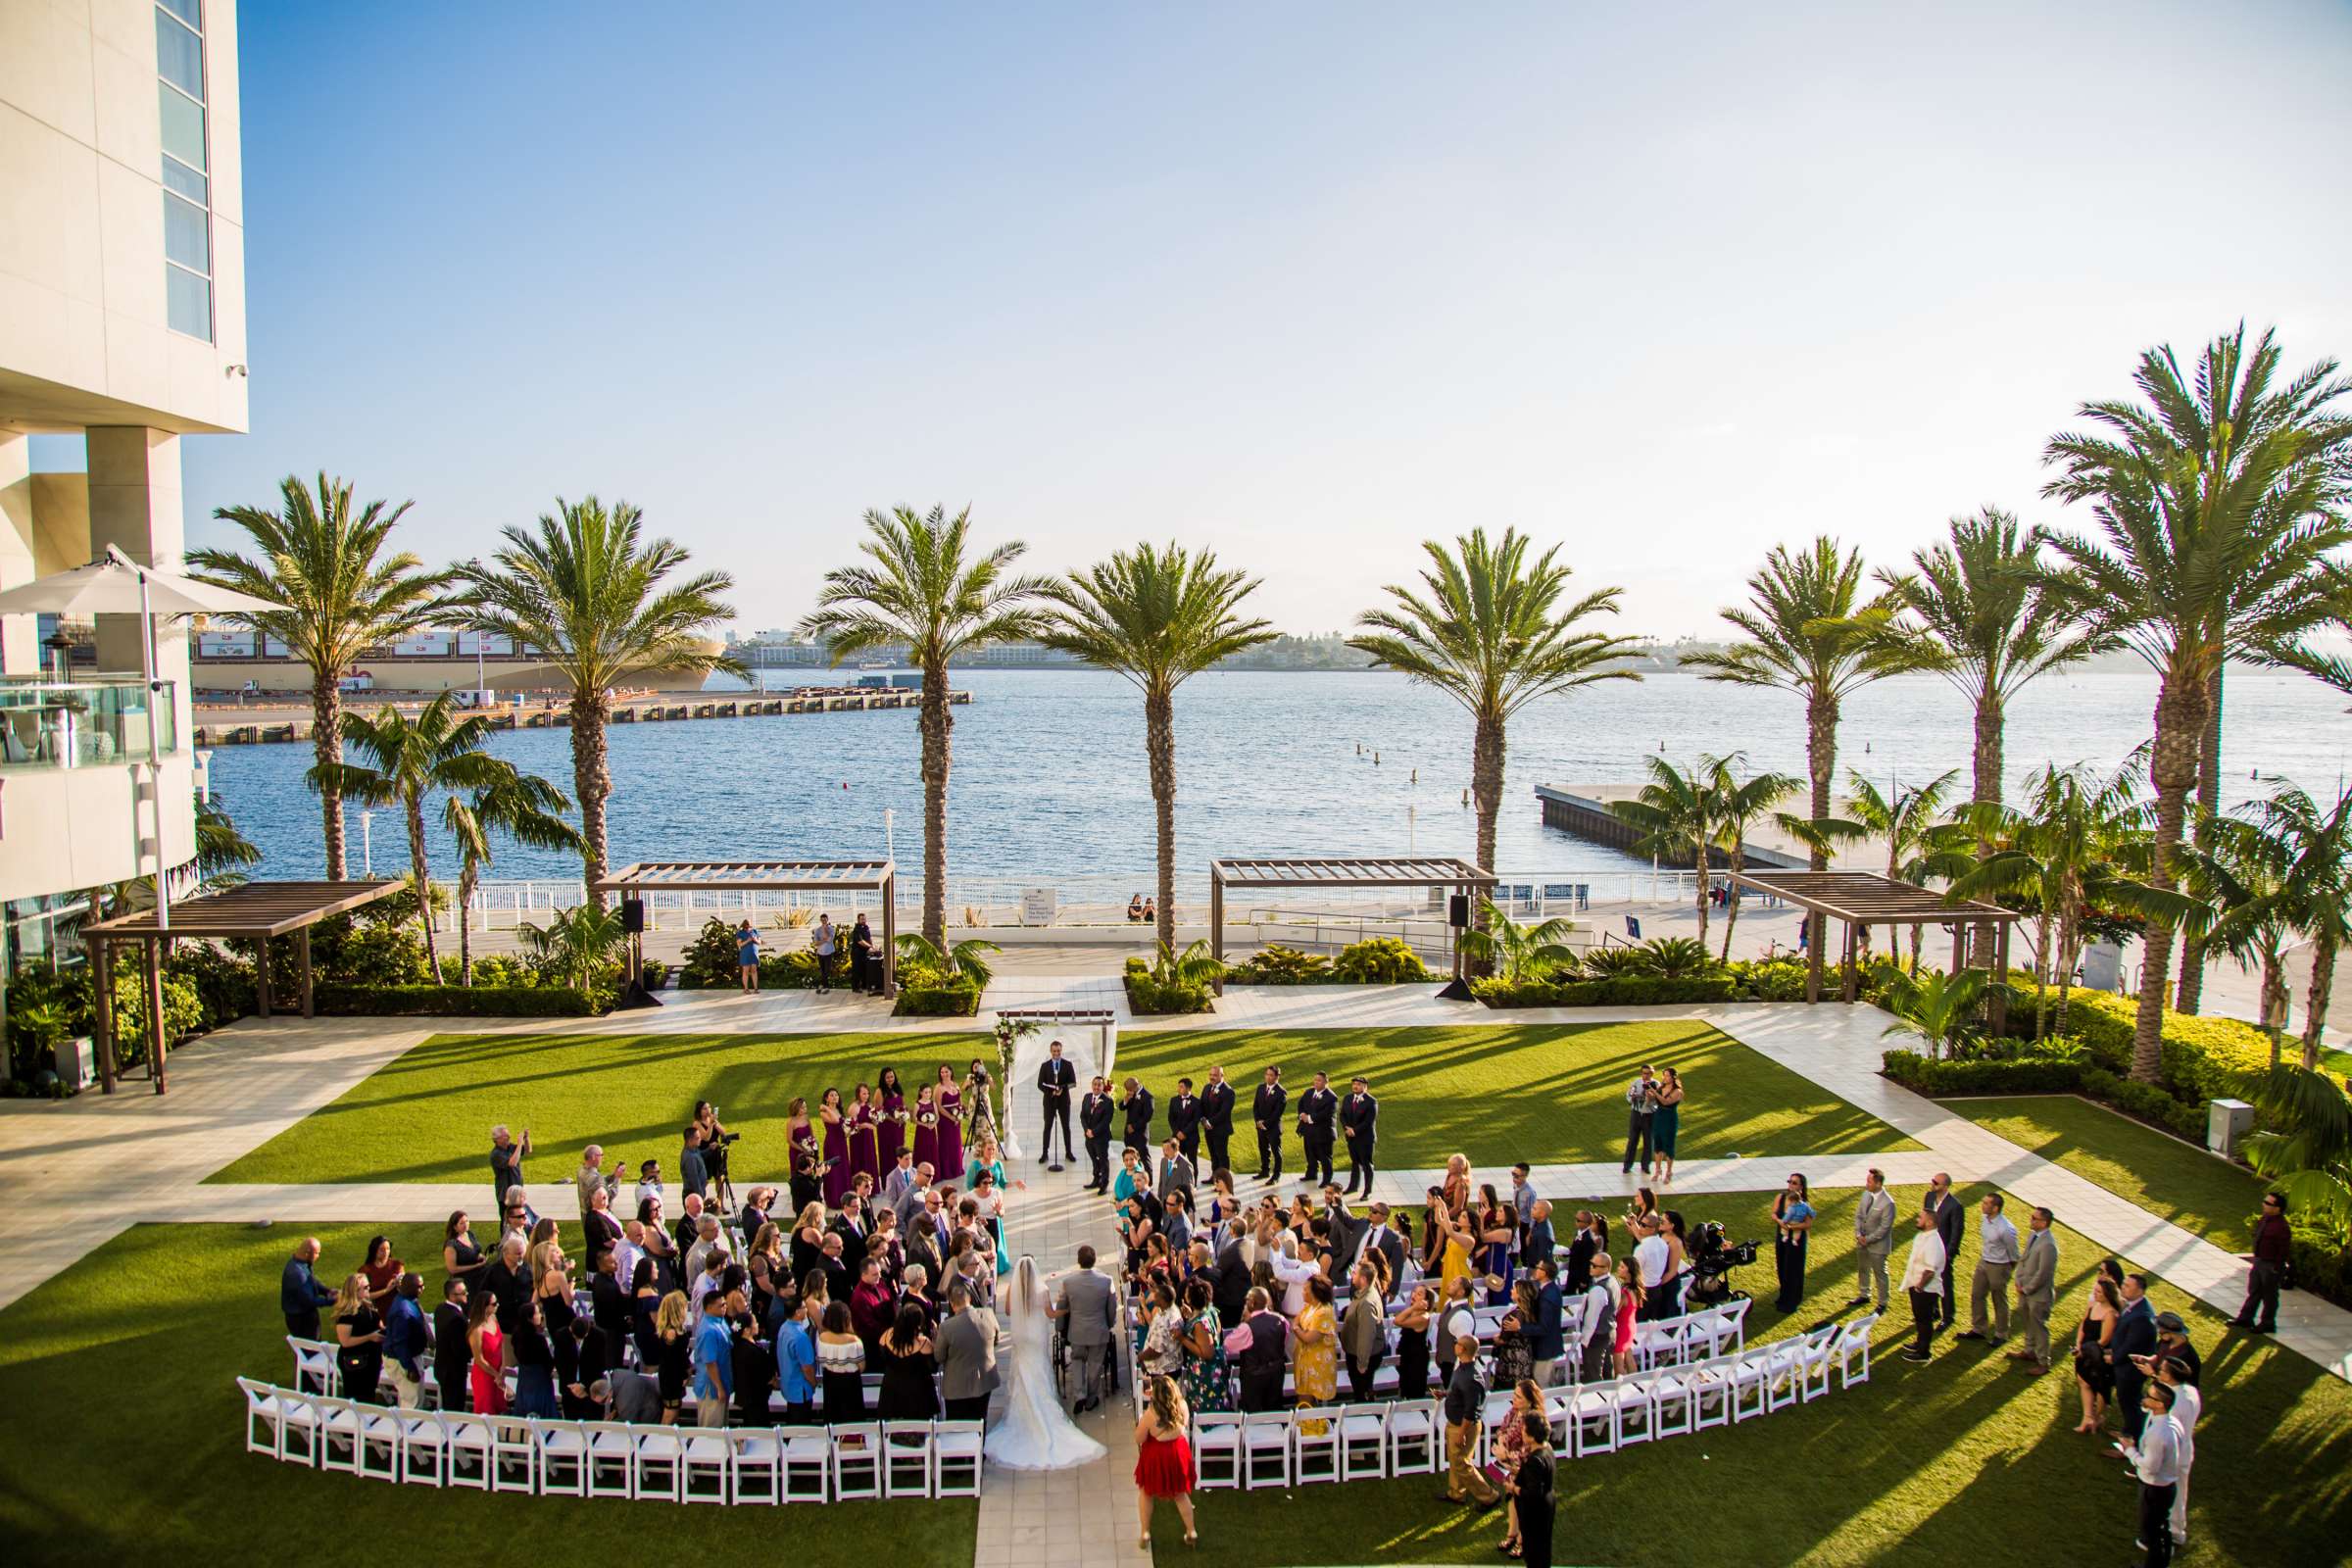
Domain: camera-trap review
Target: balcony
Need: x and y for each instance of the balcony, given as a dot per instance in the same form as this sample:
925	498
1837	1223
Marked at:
47	725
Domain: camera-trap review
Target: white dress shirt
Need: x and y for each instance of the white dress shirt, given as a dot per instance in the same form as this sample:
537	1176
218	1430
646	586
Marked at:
1651	1256
1927	1254
1294	1275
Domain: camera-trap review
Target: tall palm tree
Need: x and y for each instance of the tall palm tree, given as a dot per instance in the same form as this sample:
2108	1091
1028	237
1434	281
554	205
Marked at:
585	588
2190	562
2312	845
1922	845
1808	631
2242	871
404	760
513	803
1156	617
1679	816
342	592
926	590
1738	804
1493	631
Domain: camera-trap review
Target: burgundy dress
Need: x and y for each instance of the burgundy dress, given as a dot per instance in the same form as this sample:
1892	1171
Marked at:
926	1139
890	1133
837	1149
949	1166
862	1146
1164	1467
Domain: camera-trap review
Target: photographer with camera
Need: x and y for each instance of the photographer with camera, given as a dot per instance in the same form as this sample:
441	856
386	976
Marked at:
592	1175
715	1142
506	1160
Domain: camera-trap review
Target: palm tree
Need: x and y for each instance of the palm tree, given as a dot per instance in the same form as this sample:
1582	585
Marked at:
1516	950
221	852
1156	617
1739	803
1808	631
576	945
407	760
925	592
585	590
1679	816
966	959
2305	1148
2311	847
2191	562
2242	872
341	591
1493	631
523	806
1936	1008
1922	847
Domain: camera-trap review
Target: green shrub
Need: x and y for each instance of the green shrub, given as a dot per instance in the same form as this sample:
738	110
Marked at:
1379	961
345	951
2145	1102
956	998
1768	980
1147	996
458	1002
710	958
657	974
2025	1076
2318	1265
1273	965
2200	1059
223	982
1615	990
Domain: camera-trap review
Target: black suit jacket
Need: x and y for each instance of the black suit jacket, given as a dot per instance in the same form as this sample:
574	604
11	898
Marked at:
1267	1106
1057	1077
1138	1108
1316	1109
1216	1109
1359	1115
1184	1114
1094	1116
1233	1283
2135	1335
1951	1221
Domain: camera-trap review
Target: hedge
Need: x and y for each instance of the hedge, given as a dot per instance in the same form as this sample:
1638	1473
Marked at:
1147	997
1626	990
959	999
2024	1077
2201	1058
458	1001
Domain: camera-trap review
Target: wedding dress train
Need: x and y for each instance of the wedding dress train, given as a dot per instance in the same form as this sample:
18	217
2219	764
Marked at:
1034	1433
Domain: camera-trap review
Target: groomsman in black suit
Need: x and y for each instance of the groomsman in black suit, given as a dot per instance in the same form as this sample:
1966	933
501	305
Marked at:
1055	1078
1318	1108
1094	1120
1138	1106
1184	1119
1216	1120
1360	1117
1265	1109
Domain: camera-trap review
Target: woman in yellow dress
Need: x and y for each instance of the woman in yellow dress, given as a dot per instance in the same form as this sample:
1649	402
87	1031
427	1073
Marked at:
1315	1364
1457	1246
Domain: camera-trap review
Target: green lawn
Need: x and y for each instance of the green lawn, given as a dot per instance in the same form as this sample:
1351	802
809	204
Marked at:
2169	1178
121	1368
426	1116
1963	1461
1551	1095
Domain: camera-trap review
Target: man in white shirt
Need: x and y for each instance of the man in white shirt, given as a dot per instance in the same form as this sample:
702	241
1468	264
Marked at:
1922	1281
2156	1459
1649	1262
1997	1260
1292	1273
2188	1403
626	1251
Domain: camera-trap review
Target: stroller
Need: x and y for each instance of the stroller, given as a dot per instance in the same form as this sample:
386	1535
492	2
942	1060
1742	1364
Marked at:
1712	1260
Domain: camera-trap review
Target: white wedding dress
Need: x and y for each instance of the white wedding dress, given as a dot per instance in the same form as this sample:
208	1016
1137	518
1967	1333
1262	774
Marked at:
1034	1432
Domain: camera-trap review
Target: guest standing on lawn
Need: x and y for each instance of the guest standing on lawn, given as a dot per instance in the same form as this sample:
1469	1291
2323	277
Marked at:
2094	1374
1533	1488
1665	1123
1641	1103
837	1148
890	1119
1997	1260
2268	1267
747	955
1874	1239
821	943
2036	1286
300	1296
1792	1222
1923	1282
947	1104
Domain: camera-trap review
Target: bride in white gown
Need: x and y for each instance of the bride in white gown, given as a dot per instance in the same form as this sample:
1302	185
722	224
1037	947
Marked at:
1034	1433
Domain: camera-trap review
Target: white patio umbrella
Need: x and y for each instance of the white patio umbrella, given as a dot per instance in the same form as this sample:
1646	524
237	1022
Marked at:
114	584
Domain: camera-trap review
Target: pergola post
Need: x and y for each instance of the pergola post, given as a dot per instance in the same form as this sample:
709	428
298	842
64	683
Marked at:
302	945
155	1012
102	992
1845	965
1216	928
1817	936
261	981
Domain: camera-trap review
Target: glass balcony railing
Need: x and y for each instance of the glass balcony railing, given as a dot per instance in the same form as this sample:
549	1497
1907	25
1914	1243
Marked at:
53	725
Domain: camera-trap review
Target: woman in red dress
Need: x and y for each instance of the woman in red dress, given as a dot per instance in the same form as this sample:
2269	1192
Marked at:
1163	1459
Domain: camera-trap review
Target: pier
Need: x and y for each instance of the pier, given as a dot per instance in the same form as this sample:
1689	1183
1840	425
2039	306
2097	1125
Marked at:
257	724
1584	811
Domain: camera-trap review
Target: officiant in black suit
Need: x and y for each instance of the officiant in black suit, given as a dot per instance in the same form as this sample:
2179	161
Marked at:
1318	1111
1138	1108
1265	1109
1094	1120
1360	1117
1055	1078
1216	1120
1184	1119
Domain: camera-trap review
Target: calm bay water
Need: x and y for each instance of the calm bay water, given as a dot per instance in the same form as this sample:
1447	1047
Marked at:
1050	779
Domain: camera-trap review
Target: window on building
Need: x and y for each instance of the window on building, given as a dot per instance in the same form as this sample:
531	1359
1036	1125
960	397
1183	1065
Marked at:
187	183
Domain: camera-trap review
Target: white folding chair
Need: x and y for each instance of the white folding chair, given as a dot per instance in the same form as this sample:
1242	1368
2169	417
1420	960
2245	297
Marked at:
706	1459
338	1435
1412	1429
1653	1341
658	1463
513	1454
1493	1417
264	1434
468	1439
754	1460
1315	1454
380	1440
1364	1441
1710	1387
1815	1354
857	1460
428	1389
314	1369
1784	1377
1265	1447
1595	1414
1855	1340
1217	1449
955	1458
1730	1332
808	1465
1750	1373
423	1448
906	1461
561	1457
1636	1398
609	1457
1672	1401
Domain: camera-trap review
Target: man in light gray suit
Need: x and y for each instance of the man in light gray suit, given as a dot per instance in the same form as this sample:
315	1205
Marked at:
2036	1285
911	1182
965	1346
1175	1171
1874	1239
1085	1305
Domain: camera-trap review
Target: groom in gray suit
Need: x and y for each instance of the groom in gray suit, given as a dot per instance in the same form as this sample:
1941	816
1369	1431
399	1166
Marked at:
1086	1307
966	1350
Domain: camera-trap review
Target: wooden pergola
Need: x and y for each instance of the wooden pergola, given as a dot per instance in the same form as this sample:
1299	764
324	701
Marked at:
1323	873
1859	899
255	911
767	876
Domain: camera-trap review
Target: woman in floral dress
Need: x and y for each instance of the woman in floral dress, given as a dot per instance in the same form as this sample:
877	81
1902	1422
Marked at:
1204	1375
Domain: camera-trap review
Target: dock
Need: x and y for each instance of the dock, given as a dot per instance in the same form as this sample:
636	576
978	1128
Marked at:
258	724
1584	811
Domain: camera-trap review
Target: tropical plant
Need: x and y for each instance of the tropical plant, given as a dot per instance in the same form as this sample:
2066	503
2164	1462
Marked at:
1493	631
1676	959
576	945
1191	967
1518	952
221	852
966	960
926	592
2305	1148
1936	1008
1679	816
2214	513
404	760
1379	961
340	593
584	589
1922	845
2239	870
1739	803
1156	617
2312	848
509	804
1807	630
1612	961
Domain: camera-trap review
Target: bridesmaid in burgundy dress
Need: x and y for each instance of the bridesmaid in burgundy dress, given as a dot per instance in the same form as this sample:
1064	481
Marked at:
837	1148
890	1119
927	1129
862	1146
949	1103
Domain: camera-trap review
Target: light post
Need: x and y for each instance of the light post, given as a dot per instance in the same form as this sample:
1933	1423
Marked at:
368	844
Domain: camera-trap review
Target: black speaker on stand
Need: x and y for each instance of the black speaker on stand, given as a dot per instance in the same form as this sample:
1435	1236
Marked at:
632	922
1457	915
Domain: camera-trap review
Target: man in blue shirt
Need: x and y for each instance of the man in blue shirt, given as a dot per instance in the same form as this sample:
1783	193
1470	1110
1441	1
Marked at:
796	1365
300	1296
714	1359
1547	1337
405	1340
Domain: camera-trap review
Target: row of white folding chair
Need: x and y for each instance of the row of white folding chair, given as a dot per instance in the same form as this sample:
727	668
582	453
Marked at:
1316	1444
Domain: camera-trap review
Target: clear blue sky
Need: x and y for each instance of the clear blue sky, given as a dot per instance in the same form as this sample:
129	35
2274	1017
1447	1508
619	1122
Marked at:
1307	283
